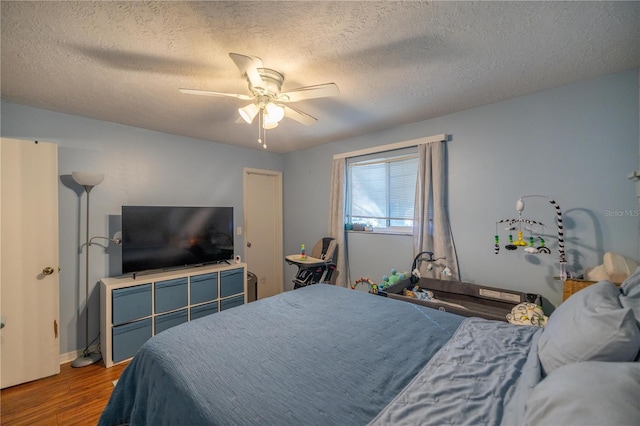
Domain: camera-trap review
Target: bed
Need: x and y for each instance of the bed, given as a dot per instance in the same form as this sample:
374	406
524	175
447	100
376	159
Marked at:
325	355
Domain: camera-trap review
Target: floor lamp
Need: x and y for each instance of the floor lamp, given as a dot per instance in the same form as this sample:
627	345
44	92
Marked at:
88	181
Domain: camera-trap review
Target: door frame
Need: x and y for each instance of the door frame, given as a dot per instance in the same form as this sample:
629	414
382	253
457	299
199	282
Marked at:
278	246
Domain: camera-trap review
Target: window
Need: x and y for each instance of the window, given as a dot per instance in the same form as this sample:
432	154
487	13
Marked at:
381	190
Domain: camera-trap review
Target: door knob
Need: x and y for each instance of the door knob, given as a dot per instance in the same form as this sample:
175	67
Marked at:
248	244
48	270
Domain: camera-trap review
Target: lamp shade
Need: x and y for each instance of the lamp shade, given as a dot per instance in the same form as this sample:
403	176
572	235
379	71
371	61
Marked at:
249	112
87	178
275	112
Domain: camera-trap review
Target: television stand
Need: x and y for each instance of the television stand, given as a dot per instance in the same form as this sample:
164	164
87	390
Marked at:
135	308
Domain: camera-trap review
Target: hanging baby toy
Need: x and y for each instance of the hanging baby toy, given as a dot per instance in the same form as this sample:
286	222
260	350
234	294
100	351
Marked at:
542	248
520	242
516	224
531	248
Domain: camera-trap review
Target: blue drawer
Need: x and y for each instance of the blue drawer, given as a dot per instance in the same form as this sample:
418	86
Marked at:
171	295
131	303
231	282
204	310
204	288
166	321
128	338
231	302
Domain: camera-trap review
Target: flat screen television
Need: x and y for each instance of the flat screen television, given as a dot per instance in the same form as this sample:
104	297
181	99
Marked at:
163	237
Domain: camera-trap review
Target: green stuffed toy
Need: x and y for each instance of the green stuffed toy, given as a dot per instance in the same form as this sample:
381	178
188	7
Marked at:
394	278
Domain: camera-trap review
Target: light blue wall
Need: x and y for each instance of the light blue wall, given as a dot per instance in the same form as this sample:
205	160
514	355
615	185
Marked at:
141	167
576	143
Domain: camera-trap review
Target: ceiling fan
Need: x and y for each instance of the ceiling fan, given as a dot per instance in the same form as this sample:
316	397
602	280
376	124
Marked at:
269	104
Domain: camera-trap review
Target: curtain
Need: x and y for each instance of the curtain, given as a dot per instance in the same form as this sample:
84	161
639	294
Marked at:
433	234
336	218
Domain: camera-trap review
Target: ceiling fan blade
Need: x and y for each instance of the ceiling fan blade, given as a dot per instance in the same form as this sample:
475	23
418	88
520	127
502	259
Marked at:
299	116
209	93
310	92
249	65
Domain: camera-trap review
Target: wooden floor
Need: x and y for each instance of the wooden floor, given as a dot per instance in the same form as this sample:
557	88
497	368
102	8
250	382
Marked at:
76	396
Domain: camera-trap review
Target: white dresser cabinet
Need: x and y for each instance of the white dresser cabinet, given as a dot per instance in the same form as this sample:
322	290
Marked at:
135	309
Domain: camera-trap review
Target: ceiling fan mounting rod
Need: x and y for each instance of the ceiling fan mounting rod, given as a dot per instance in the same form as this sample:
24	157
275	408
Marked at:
271	82
263	100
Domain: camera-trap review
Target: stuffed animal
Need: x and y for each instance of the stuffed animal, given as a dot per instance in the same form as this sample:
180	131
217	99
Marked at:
422	294
527	314
408	293
615	268
418	293
395	277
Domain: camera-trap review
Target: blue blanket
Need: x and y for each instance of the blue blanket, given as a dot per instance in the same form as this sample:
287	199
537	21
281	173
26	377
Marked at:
318	355
482	376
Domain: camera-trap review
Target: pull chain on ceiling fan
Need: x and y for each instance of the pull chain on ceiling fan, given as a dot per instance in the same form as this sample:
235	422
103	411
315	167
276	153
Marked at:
268	103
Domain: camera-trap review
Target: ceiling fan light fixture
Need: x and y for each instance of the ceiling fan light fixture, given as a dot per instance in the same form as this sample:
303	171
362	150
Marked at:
269	125
275	112
249	112
269	104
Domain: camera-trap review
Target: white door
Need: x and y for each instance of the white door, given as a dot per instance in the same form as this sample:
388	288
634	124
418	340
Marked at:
263	229
29	280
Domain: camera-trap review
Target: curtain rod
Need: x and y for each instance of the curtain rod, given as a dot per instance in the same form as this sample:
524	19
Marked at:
406	144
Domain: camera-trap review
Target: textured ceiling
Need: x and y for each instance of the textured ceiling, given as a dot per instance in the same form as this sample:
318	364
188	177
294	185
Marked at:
394	62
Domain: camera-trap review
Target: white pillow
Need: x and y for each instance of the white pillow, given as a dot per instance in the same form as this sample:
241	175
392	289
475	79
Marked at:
587	393
591	325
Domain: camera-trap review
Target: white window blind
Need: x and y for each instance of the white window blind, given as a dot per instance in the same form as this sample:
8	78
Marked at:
381	190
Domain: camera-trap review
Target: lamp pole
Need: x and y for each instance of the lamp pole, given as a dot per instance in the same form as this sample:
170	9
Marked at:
88	181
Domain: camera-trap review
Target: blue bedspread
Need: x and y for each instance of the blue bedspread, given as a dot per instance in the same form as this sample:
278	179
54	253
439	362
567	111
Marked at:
482	376
319	355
